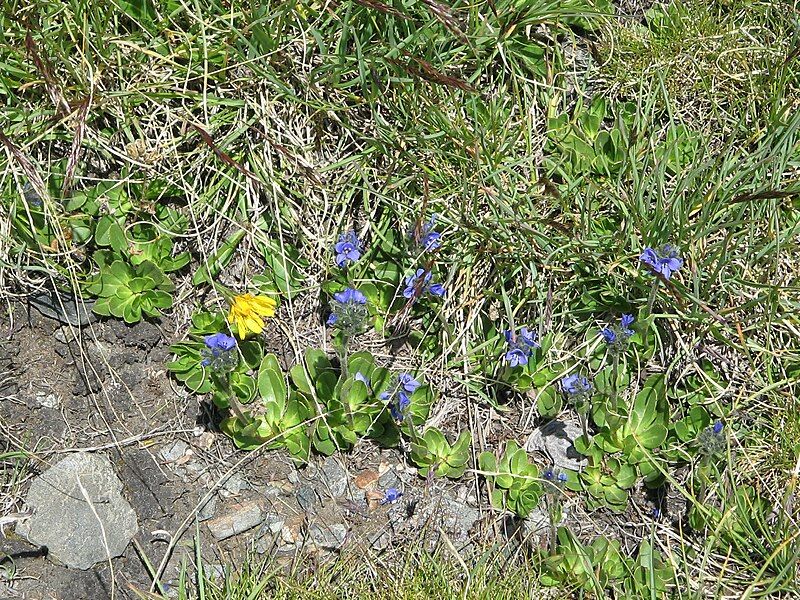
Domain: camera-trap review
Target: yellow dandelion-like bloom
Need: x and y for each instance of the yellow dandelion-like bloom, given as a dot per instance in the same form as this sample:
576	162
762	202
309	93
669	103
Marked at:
248	312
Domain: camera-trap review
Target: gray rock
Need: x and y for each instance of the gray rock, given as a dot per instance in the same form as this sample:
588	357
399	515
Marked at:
207	511
235	484
334	477
239	517
458	518
270	532
63	308
306	498
328	536
537	523
379	540
555	440
48	400
390	479
79	532
174	451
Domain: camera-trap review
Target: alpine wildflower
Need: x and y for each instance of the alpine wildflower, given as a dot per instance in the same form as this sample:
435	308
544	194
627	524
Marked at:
348	249
615	336
576	385
399	398
391	496
711	442
217	354
665	260
348	311
247	312
520	346
428	239
420	282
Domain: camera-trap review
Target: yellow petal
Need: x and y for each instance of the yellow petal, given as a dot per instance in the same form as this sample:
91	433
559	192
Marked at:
254	324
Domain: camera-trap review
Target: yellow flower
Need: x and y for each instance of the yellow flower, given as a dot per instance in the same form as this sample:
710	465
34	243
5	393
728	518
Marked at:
248	312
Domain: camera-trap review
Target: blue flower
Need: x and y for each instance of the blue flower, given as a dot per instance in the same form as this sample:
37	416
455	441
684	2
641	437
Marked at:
617	336
408	383
562	477
520	346
425	237
548	474
403	388
350	296
718	427
348	311
218	353
359	376
220	341
625	322
576	385
516	357
420	282
398	409
431	239
528	337
391	495
665	260
348	249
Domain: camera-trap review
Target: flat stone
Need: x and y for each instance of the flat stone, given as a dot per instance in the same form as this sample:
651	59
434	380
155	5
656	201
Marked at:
238	518
207	511
63	308
334	476
555	439
174	451
270	532
79	512
306	497
458	518
329	537
235	484
48	400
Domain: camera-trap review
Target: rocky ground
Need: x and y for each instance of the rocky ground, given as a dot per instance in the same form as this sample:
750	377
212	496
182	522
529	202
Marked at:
116	442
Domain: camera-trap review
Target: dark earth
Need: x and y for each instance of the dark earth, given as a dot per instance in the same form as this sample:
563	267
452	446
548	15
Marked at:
103	388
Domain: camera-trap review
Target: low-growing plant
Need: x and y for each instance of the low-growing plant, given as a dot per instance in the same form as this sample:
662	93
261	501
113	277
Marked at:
433	454
129	292
592	568
514	480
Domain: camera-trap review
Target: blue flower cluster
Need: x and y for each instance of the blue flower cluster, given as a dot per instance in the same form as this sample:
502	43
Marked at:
348	249
711	441
420	282
576	385
391	496
665	260
555	476
520	346
619	335
428	239
219	354
348	311
399	397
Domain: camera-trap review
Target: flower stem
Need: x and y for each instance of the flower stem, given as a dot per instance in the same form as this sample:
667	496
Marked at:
652	298
233	400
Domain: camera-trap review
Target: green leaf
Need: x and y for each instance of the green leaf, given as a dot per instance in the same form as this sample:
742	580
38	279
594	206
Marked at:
271	383
219	259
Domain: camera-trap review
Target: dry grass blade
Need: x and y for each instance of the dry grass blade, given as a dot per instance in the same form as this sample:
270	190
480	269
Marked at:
75	150
224	157
27	166
444	14
46	71
425	70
